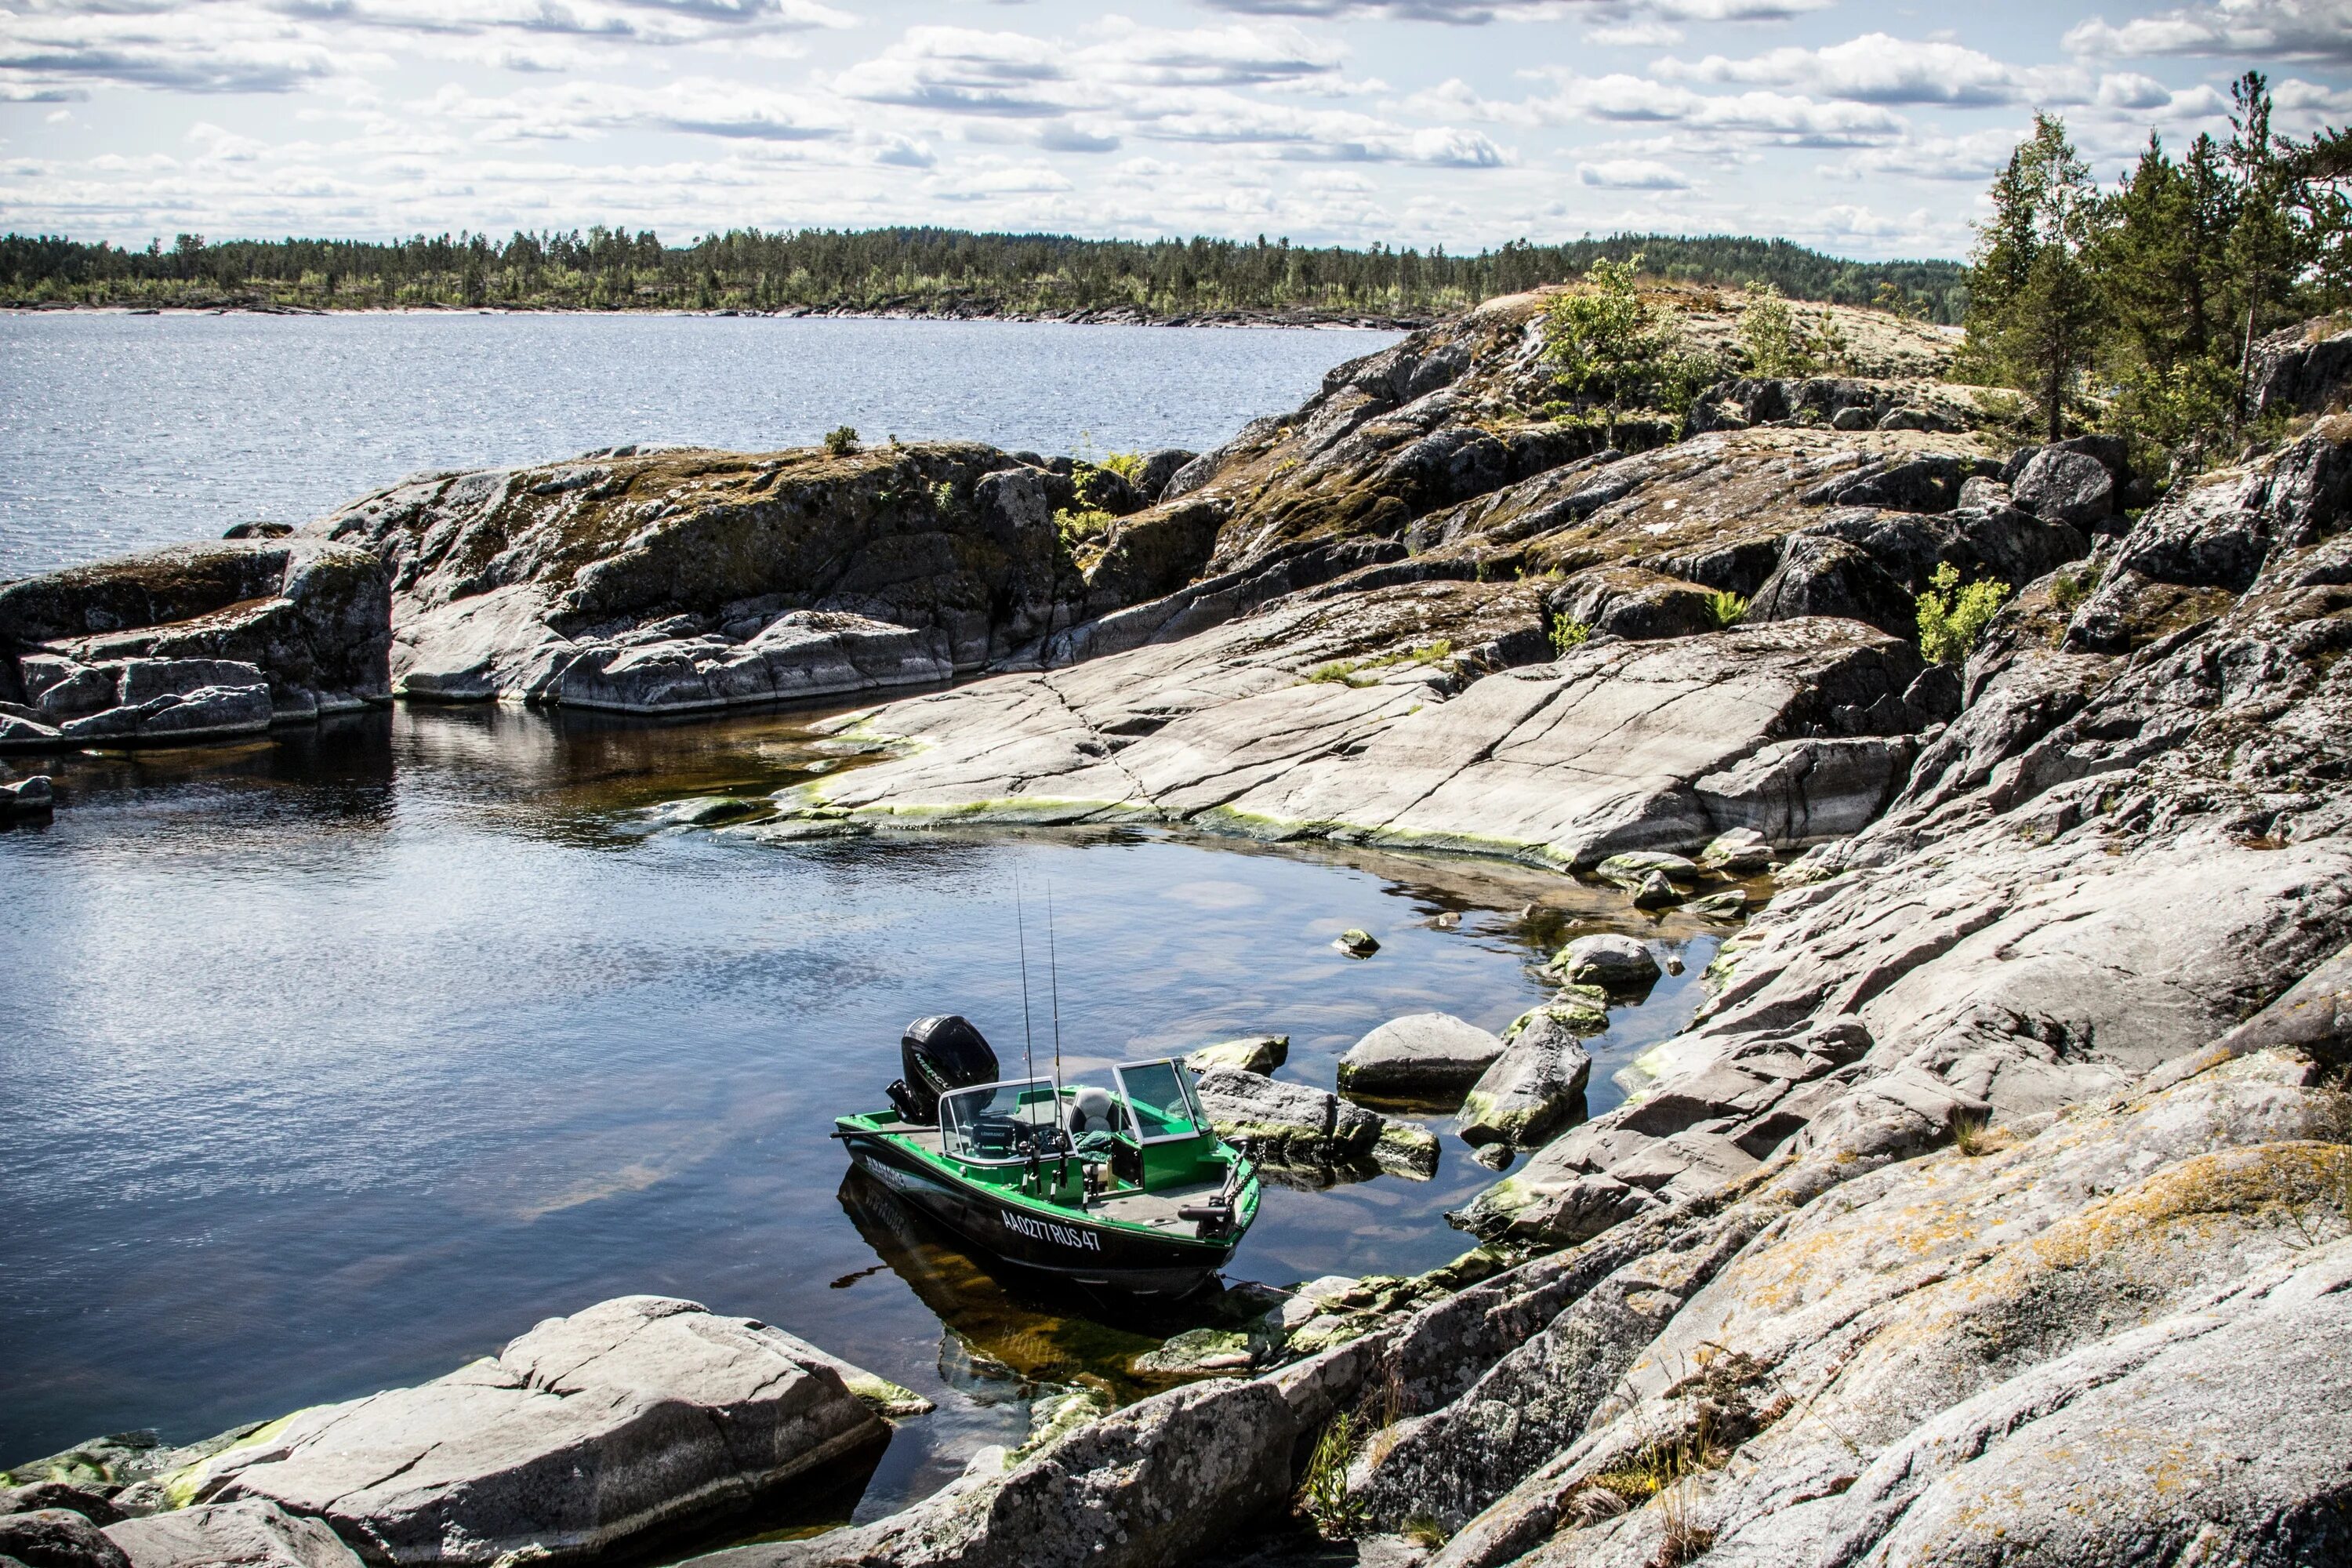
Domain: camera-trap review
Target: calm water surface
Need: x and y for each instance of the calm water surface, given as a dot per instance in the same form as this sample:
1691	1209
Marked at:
333	1060
118	432
337	1059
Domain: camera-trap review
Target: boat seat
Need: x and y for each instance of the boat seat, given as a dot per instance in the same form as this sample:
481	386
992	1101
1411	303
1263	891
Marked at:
1093	1111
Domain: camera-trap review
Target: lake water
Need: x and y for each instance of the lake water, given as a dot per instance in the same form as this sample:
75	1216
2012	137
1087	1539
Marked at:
334	1059
337	1059
118	432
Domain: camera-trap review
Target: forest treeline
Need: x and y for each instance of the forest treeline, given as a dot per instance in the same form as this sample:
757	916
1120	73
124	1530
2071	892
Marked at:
2138	308
930	270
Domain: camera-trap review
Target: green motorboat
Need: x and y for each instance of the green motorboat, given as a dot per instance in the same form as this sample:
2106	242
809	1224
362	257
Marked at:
1110	1178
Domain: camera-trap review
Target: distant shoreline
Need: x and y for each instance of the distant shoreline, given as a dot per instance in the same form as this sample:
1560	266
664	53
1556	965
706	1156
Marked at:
1106	316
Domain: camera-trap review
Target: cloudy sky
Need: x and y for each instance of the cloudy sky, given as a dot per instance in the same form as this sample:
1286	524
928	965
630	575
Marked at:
1868	128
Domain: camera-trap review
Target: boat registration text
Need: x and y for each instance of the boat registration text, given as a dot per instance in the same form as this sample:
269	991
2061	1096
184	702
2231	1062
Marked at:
1047	1230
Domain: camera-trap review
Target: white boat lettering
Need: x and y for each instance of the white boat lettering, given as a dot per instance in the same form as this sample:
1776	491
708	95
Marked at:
1047	1230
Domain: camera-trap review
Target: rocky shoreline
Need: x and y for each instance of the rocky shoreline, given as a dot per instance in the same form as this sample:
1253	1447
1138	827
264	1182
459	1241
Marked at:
1094	316
1996	1207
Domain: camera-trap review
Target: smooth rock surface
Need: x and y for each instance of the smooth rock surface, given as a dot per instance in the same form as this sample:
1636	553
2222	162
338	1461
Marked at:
586	1433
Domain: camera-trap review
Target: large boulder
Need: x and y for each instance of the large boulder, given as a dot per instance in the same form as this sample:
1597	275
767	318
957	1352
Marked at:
2305	370
1420	1056
1820	576
1534	1088
249	1534
1610	960
1634	602
1151	1484
307	619
587	1433
2059	486
57	1538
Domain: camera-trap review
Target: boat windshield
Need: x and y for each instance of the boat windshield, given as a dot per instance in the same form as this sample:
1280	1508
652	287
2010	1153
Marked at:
1160	1094
995	1120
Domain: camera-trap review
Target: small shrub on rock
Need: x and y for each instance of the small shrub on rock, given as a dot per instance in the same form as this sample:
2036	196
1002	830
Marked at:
842	440
1952	618
1567	634
1082	527
1775	343
1725	609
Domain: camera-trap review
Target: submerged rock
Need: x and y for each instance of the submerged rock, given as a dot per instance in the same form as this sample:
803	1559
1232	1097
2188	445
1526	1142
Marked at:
1357	944
1432	1054
586	1433
29	797
1290	1123
1254	1053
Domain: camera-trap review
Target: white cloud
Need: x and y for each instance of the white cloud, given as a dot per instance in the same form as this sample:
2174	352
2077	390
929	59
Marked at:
1873	69
197	50
1634	36
1480	13
1974	157
2259	29
1783	119
1632	174
583	108
1152	84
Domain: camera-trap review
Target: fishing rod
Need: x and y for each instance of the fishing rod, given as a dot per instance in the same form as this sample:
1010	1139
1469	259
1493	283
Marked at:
1053	980
1028	1034
1053	975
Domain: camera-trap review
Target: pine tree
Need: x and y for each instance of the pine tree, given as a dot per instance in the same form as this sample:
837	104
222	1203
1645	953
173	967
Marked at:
2160	262
2266	248
2036	312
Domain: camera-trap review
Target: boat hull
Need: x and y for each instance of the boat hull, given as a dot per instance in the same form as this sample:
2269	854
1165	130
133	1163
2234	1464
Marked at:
1067	1244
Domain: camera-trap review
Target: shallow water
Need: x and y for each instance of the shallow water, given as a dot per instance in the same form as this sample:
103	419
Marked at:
118	432
338	1059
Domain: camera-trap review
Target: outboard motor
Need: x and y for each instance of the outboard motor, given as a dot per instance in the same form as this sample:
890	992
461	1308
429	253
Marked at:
940	1055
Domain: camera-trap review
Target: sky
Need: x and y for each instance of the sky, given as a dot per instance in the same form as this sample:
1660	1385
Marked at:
1865	129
